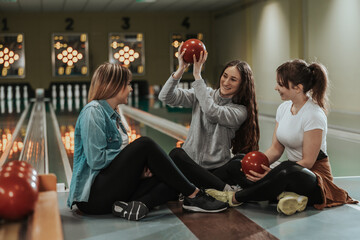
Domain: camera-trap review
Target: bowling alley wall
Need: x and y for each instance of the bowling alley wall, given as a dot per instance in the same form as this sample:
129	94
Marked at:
265	33
268	33
156	30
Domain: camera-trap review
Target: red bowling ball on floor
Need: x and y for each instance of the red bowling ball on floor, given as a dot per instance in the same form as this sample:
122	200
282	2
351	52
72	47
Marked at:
191	47
253	161
19	187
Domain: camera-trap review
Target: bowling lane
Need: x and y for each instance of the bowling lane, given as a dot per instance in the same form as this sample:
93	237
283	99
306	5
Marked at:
11	111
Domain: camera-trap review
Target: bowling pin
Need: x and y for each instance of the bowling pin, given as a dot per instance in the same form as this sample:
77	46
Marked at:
17	92
77	91
25	92
84	101
84	92
9	93
2	106
54	103
157	104
2	92
61	91
136	90
53	92
69	91
136	101
70	104
18	104
26	102
62	104
77	103
10	105
156	90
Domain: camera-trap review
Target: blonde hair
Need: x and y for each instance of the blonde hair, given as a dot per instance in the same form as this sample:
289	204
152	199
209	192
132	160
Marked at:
108	80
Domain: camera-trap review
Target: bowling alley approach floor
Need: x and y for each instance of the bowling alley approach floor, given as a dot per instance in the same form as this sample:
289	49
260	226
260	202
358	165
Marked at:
248	221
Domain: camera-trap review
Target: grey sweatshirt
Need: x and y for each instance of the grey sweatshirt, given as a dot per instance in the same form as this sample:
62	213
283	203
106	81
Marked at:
213	124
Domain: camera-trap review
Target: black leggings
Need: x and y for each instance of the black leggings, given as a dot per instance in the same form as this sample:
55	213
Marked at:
121	180
287	176
201	177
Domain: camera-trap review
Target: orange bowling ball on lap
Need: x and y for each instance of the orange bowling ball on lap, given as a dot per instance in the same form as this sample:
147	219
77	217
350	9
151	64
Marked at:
19	187
191	47
253	161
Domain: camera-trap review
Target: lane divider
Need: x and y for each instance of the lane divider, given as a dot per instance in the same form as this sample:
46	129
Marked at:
170	128
64	156
15	134
35	149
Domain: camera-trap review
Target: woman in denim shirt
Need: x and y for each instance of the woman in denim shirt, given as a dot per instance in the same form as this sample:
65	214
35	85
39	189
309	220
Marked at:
111	175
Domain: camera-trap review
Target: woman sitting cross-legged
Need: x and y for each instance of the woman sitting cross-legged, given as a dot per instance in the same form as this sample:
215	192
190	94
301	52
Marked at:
112	175
300	131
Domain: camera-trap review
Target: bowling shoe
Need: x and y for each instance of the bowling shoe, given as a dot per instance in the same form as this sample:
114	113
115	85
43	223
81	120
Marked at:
133	211
224	196
203	202
290	203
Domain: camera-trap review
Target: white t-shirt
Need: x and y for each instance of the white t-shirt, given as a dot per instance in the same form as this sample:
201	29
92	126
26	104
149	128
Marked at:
124	136
291	128
125	139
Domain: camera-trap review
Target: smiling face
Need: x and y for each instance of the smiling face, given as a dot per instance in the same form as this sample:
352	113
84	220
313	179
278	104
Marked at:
286	93
230	82
123	95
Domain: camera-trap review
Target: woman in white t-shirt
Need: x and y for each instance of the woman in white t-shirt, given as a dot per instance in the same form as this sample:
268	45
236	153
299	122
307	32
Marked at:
300	131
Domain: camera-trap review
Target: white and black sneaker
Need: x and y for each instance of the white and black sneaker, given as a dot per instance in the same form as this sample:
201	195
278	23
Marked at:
133	211
203	202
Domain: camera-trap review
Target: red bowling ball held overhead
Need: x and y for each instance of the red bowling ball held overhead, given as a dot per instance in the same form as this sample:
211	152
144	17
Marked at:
253	161
19	188
191	47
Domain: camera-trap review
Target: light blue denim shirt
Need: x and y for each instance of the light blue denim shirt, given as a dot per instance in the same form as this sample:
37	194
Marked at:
97	143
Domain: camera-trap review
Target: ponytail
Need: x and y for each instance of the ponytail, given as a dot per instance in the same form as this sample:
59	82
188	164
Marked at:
319	85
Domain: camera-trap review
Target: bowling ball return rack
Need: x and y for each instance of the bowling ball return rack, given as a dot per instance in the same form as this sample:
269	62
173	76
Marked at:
44	223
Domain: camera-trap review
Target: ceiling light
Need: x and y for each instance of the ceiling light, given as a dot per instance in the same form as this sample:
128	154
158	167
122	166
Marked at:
145	1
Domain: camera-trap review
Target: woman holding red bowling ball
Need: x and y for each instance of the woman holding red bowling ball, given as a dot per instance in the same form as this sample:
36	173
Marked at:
111	175
224	119
300	131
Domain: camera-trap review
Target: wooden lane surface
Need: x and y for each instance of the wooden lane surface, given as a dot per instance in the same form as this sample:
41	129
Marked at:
230	224
13	230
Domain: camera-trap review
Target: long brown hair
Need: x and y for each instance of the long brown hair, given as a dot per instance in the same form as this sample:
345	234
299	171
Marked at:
247	136
312	76
107	81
